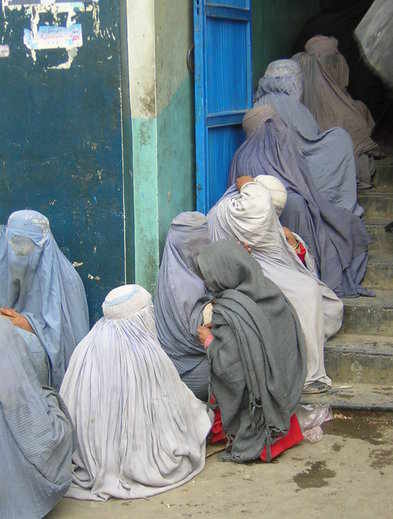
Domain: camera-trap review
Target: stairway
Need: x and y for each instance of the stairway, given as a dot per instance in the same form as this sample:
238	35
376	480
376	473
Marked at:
360	358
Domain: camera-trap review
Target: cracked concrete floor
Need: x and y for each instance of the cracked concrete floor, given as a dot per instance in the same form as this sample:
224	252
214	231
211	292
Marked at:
348	474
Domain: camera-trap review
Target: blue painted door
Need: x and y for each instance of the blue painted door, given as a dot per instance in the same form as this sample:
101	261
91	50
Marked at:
223	90
64	134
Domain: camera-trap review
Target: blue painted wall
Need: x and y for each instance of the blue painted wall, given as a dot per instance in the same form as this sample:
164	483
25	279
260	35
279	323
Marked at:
61	144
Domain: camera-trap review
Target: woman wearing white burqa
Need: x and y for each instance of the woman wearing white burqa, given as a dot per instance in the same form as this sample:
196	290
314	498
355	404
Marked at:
250	216
140	430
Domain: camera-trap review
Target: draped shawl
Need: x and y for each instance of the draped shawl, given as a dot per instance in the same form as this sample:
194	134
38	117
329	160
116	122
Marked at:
336	237
249	216
257	357
36	436
38	281
140	430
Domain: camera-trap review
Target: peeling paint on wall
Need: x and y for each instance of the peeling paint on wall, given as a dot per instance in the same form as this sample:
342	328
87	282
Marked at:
64	32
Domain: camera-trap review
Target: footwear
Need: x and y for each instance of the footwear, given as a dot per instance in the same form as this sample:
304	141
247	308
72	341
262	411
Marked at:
315	388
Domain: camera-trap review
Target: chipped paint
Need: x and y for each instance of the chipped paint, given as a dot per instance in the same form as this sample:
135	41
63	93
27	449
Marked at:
93	278
77	264
57	10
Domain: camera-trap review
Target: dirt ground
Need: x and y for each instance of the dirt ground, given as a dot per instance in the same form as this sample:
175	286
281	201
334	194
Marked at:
348	474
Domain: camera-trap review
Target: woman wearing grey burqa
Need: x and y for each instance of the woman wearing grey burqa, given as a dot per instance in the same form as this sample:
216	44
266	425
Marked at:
180	300
41	293
328	154
257	354
36	436
326	78
336	238
250	216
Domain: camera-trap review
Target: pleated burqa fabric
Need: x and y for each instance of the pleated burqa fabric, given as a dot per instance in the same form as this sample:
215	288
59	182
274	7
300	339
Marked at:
249	216
180	298
38	281
36	436
257	356
329	154
140	430
336	237
326	78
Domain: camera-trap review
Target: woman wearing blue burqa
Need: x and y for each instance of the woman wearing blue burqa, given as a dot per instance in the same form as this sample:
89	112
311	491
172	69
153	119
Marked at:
329	154
36	435
336	238
181	300
41	293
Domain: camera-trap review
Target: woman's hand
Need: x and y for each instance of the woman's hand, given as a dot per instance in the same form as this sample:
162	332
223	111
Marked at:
245	246
241	181
17	319
203	333
290	238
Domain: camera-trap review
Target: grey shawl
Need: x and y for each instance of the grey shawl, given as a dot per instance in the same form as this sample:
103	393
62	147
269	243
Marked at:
36	437
257	357
180	294
336	237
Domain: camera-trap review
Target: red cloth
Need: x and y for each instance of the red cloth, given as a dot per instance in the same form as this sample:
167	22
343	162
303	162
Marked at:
301	253
293	437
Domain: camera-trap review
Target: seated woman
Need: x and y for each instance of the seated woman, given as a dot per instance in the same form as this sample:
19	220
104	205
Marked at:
140	430
36	436
329	155
181	298
326	78
256	351
41	293
337	238
250	216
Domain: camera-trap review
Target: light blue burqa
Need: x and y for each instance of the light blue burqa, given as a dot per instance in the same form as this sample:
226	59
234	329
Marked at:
36	436
180	298
39	282
329	154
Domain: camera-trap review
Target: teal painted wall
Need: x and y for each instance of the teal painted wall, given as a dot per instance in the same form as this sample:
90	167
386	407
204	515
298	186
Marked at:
276	25
162	108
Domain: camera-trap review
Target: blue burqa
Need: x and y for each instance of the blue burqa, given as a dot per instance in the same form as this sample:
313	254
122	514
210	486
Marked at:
36	436
39	282
336	237
329	154
180	298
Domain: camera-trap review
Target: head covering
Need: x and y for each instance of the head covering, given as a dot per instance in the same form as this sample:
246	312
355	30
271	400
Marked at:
334	236
276	189
140	429
249	216
38	281
257	357
36	436
283	76
255	117
326	78
181	294
329	155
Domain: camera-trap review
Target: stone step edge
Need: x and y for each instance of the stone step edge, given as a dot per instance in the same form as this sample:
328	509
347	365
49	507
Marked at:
383	300
357	397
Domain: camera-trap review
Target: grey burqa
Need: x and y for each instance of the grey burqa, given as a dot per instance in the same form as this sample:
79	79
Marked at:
257	358
36	435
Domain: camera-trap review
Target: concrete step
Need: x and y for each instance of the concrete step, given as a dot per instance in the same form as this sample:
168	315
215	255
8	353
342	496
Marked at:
369	315
381	241
384	173
364	397
377	204
379	273
360	359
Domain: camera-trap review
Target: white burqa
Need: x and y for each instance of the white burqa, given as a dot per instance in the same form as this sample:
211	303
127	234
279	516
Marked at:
140	430
249	216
